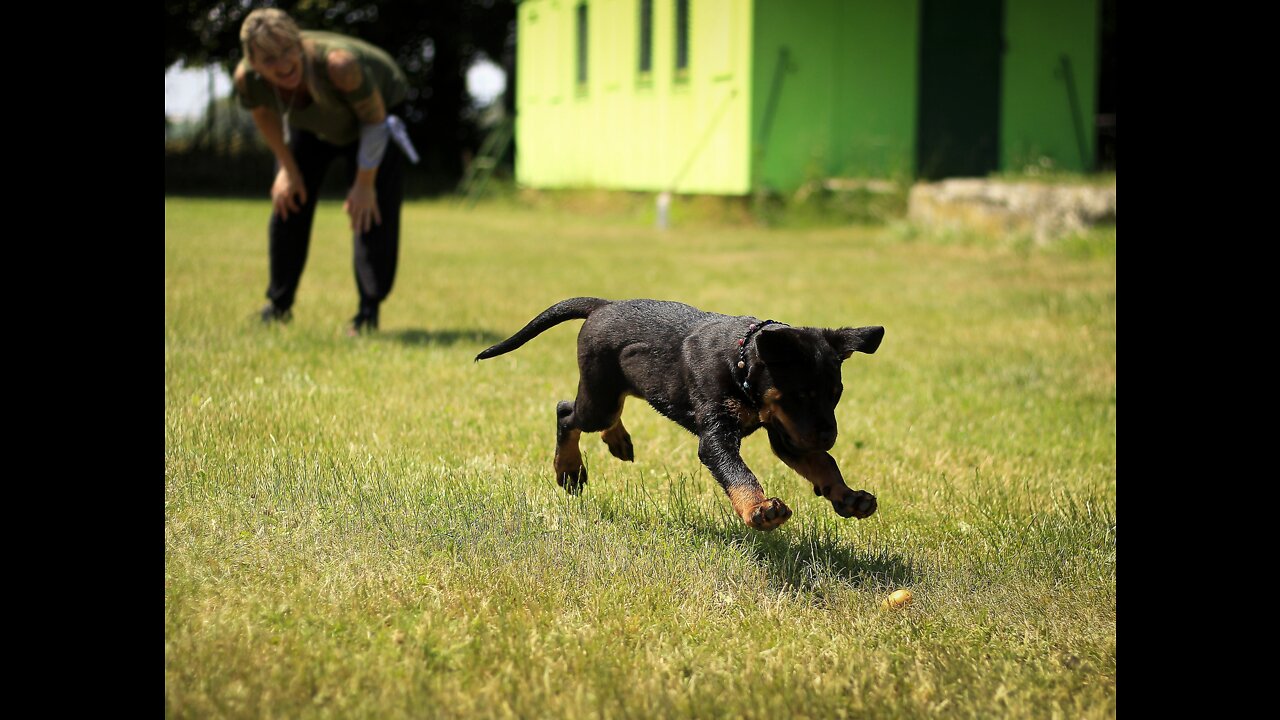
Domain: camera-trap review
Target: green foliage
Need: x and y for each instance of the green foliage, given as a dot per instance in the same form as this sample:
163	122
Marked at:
816	205
370	528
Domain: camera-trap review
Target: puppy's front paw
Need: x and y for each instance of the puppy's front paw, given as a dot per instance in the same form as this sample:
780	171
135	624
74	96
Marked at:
853	503
768	515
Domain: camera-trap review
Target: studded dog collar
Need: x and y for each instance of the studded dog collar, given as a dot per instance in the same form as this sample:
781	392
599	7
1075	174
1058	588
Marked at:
740	369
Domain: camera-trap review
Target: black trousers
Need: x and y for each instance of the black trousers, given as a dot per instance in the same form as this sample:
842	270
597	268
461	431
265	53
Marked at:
376	251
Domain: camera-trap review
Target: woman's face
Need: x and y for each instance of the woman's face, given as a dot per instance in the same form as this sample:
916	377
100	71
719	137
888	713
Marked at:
283	69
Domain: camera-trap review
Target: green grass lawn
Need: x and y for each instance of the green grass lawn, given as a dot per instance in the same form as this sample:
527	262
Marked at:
371	528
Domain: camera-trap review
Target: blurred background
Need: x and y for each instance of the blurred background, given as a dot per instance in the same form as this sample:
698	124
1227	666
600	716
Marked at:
761	99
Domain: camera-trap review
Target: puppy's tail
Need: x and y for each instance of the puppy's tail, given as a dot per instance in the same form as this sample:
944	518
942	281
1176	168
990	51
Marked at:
572	309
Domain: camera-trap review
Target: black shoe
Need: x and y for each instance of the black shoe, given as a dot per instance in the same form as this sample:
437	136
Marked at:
362	324
272	314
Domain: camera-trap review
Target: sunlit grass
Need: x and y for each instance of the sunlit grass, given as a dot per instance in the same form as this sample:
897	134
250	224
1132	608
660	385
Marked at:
371	528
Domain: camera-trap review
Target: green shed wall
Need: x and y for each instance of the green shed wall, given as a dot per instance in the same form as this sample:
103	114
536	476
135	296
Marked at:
1036	117
847	100
622	131
847	104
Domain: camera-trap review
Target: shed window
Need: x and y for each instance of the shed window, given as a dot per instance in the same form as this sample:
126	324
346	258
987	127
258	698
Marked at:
582	43
646	37
682	37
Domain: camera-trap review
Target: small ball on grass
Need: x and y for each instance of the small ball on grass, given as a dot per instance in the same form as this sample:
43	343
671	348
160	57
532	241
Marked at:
897	600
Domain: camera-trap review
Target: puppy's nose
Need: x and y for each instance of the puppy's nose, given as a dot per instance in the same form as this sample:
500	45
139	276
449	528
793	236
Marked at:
827	438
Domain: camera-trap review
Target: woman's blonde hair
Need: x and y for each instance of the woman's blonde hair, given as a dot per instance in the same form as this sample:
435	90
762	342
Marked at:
274	32
270	30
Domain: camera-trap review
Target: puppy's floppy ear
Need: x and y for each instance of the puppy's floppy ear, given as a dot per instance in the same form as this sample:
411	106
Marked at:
847	341
779	345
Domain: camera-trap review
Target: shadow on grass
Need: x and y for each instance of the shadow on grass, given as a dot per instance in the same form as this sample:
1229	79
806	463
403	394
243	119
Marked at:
447	337
811	559
807	562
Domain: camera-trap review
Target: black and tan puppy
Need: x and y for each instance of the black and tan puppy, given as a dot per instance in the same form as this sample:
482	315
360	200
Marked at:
721	378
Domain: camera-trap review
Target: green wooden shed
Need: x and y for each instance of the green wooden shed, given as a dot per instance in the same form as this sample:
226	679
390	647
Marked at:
729	96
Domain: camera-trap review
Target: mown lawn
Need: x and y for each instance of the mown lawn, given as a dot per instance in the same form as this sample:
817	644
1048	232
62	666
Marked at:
371	528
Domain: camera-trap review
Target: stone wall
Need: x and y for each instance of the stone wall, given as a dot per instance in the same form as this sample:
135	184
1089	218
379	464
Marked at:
1045	212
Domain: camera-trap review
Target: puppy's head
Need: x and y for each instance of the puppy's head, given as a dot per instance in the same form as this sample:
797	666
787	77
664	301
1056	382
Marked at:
801	377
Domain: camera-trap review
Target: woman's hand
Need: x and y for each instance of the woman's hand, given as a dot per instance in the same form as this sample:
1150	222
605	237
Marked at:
362	206
288	193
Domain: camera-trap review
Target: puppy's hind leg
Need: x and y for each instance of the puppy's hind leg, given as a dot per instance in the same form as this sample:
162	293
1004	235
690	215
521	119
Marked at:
571	474
596	409
617	437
